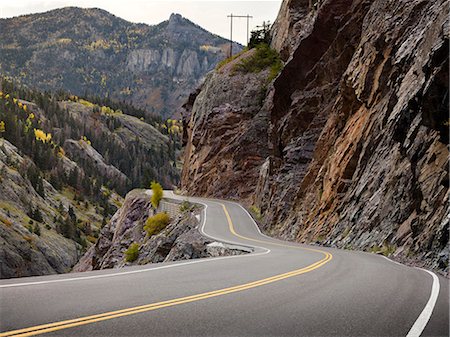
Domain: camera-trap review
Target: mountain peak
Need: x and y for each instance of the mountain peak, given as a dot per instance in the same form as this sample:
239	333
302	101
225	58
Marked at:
175	17
175	20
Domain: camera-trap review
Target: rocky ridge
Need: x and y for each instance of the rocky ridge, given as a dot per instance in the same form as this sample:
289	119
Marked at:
91	50
356	129
180	240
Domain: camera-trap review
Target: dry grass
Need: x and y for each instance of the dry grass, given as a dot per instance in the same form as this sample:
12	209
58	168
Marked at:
6	222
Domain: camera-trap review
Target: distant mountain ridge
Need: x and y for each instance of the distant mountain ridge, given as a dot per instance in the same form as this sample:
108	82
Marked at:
92	51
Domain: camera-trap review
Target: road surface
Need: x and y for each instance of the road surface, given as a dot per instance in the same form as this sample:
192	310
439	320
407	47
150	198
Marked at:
281	289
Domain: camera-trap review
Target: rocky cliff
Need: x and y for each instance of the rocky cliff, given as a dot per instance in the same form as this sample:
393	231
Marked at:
227	133
356	129
179	240
93	51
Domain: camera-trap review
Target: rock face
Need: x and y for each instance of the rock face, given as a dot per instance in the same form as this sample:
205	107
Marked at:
82	151
226	133
358	129
180	240
153	67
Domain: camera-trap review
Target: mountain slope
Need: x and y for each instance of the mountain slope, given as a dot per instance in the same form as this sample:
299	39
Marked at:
93	51
356	129
62	160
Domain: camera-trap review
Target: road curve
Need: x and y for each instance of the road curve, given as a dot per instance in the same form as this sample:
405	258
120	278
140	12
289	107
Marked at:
281	289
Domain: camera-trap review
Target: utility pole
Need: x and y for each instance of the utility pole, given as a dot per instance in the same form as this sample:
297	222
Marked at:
231	16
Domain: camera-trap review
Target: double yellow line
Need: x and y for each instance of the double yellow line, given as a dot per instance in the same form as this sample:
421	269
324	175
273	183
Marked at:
41	329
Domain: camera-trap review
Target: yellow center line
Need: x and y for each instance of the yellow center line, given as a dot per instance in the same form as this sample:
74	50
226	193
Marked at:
232	230
44	328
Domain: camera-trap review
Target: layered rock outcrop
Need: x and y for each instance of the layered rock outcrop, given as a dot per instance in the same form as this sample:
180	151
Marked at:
358	129
226	133
180	240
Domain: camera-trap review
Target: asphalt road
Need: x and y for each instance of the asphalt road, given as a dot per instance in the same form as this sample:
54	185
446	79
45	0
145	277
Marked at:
281	289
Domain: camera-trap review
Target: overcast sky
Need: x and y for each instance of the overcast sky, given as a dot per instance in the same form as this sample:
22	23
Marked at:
210	14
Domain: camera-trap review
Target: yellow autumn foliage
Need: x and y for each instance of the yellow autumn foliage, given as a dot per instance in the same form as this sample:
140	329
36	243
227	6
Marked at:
84	138
61	152
42	136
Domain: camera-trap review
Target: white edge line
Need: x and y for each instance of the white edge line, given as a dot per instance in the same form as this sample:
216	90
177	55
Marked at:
422	321
202	230
424	317
147	270
390	260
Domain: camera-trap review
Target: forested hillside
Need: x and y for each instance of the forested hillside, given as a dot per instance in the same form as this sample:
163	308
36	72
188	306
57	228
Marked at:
92	51
62	160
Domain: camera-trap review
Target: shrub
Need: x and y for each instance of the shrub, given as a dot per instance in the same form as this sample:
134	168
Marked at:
259	36
132	253
157	194
156	223
386	249
263	58
91	239
256	211
229	59
185	206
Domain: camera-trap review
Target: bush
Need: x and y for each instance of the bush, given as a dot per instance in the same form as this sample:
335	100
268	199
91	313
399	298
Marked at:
256	211
263	58
157	194
132	253
91	239
229	59
156	223
185	206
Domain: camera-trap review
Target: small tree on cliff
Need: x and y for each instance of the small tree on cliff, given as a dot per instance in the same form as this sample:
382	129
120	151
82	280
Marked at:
157	194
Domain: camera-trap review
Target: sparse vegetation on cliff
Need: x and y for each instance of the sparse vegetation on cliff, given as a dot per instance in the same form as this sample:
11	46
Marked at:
264	57
156	223
132	253
229	59
157	194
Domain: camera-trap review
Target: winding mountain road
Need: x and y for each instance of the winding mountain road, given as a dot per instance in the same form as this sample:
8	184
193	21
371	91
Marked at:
281	289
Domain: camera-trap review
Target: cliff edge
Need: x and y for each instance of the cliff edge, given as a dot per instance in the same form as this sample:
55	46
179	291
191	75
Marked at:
353	132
